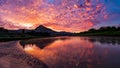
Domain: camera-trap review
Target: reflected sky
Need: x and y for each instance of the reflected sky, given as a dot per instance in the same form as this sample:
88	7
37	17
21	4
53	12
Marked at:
77	52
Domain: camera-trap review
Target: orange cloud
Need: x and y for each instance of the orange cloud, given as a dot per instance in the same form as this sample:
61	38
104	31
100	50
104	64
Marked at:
63	15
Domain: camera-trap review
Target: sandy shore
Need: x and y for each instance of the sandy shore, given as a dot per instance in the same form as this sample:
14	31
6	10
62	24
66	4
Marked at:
12	55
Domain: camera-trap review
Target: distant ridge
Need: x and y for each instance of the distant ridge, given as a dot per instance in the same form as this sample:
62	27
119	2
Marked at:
39	31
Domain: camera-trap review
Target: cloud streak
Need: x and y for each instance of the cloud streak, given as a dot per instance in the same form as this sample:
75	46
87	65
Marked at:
61	15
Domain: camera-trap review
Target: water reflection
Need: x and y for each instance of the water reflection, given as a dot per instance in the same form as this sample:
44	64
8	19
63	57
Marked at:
105	40
41	43
12	55
76	52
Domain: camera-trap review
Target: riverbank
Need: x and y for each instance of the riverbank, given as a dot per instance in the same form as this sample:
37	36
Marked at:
104	33
3	39
12	55
13	37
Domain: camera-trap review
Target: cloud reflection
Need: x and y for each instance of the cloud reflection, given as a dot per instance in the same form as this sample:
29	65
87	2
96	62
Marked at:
77	52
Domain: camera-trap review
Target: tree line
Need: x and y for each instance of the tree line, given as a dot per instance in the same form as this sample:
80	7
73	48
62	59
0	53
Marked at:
103	29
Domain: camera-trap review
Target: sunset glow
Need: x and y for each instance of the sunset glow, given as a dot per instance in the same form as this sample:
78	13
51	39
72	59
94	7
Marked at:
30	47
60	15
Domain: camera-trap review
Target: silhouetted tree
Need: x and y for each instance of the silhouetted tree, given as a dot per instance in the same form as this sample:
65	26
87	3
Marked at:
101	29
118	28
92	30
107	28
113	28
3	30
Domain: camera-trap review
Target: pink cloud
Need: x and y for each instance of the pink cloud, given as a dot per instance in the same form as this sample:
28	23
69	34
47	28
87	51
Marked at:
67	15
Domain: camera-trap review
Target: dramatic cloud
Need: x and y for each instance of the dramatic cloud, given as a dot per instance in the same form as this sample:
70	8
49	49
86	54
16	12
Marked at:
63	15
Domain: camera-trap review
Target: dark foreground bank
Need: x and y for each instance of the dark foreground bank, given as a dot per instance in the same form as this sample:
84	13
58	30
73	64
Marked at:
103	31
12	55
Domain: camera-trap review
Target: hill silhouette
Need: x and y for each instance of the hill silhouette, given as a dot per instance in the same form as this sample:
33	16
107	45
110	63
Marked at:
42	28
40	31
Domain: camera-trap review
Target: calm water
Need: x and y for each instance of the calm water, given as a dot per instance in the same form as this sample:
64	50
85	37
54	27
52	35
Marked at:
76	52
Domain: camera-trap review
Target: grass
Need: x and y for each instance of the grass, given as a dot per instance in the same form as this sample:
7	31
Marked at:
104	33
14	38
11	37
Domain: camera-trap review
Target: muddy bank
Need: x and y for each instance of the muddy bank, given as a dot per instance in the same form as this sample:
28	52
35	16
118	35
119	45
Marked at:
12	55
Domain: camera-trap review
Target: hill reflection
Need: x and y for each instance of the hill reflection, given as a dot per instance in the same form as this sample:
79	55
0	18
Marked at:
41	43
76	52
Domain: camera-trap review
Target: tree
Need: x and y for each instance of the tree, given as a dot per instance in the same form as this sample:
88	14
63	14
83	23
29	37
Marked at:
118	28
3	30
92	30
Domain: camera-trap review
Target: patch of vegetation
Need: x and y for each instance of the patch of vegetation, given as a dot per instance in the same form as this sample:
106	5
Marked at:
103	31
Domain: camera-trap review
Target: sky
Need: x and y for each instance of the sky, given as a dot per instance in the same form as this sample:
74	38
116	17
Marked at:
59	15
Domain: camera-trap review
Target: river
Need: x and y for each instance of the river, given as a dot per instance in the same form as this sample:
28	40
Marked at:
75	52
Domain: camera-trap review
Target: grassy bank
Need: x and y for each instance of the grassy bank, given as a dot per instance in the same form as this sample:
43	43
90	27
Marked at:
11	37
14	38
103	31
107	33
